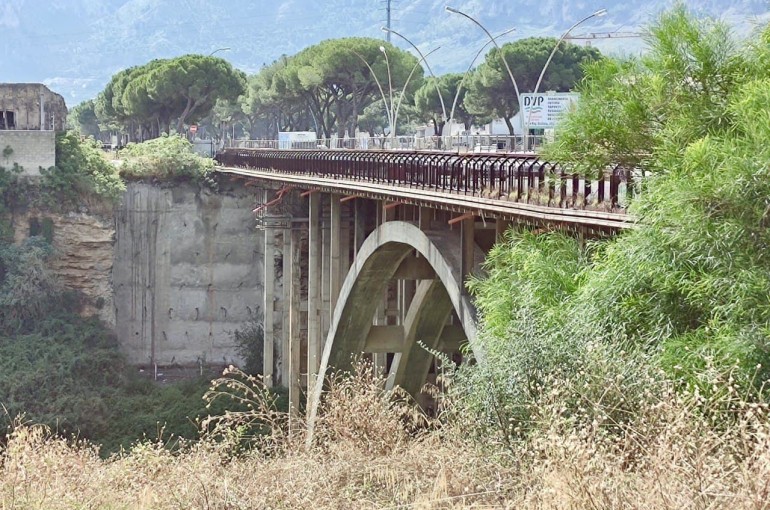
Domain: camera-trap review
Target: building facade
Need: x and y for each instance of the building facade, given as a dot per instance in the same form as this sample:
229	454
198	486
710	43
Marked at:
30	116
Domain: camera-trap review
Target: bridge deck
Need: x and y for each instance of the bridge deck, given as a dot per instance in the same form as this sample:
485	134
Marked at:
493	185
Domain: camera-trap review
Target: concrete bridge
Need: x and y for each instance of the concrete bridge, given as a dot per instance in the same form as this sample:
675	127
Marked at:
367	251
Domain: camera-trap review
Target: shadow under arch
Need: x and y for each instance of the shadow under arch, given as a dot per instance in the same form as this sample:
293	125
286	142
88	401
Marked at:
375	265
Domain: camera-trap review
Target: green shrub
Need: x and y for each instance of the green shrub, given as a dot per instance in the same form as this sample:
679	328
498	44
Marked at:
81	174
250	346
169	157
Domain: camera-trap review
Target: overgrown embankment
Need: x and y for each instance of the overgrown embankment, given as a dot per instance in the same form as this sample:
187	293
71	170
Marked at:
61	365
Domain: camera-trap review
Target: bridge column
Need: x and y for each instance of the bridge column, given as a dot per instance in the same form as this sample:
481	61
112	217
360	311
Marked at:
326	243
384	214
468	245
501	226
292	281
313	289
285	305
335	266
268	307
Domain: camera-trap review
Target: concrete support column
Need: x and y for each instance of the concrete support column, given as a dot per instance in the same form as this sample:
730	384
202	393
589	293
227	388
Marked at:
286	305
313	289
335	264
293	282
325	319
345	259
359	224
501	226
425	216
268	307
468	245
384	214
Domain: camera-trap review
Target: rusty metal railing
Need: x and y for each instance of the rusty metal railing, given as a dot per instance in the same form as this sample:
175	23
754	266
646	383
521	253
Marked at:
508	177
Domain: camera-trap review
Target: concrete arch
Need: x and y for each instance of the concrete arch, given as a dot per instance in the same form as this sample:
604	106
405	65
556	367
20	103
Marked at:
375	265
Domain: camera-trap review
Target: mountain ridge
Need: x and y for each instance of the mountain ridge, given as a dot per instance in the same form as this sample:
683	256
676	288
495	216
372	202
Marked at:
75	46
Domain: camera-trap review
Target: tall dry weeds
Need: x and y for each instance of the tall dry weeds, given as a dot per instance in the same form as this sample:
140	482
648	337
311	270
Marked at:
682	450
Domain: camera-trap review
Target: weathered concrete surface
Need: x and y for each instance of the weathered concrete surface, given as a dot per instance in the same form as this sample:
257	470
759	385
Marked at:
31	150
378	260
187	273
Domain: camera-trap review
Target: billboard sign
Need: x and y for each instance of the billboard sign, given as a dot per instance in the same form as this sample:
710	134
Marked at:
297	140
545	109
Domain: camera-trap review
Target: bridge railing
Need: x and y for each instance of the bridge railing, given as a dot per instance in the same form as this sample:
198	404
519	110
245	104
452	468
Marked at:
459	143
507	177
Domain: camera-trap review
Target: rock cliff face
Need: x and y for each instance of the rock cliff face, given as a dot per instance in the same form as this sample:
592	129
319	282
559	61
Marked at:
84	254
187	273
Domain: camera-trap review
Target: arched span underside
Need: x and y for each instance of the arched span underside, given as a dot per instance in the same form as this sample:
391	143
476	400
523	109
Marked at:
375	265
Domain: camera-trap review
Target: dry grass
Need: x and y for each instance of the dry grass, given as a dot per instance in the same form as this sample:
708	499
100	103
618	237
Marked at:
370	453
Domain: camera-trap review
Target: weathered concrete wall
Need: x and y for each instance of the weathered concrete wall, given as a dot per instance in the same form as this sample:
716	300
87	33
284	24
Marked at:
30	149
22	102
187	273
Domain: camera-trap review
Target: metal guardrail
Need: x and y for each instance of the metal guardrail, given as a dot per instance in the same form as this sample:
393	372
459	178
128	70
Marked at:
458	143
508	177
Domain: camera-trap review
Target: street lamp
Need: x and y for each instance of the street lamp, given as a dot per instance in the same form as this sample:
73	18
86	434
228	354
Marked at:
389	110
597	14
219	49
467	72
493	41
390	94
422	57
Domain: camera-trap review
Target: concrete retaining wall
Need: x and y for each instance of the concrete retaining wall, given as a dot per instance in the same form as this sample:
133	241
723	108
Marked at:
187	273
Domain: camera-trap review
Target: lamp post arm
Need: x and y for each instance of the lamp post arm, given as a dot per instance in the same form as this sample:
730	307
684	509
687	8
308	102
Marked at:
460	85
553	52
492	40
408	79
390	93
422	58
379	86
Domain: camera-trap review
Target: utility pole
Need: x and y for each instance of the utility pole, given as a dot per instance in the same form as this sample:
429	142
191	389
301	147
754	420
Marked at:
388	21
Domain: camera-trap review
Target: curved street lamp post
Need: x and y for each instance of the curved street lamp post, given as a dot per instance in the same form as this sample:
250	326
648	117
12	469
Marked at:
390	111
467	72
422	57
599	13
493	41
219	49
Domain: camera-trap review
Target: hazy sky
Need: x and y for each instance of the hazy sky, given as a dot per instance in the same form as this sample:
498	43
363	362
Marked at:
74	46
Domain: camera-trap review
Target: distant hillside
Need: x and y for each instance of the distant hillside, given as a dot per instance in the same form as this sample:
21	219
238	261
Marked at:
74	46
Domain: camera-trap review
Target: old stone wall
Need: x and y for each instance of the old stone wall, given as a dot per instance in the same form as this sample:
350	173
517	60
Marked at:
187	273
29	149
24	105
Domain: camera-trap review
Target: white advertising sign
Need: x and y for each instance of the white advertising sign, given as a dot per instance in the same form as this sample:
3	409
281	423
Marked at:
545	109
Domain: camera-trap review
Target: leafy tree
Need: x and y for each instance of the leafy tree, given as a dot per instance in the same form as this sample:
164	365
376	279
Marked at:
688	117
373	119
166	157
80	175
338	78
428	104
146	100
491	92
268	102
83	119
683	295
189	86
